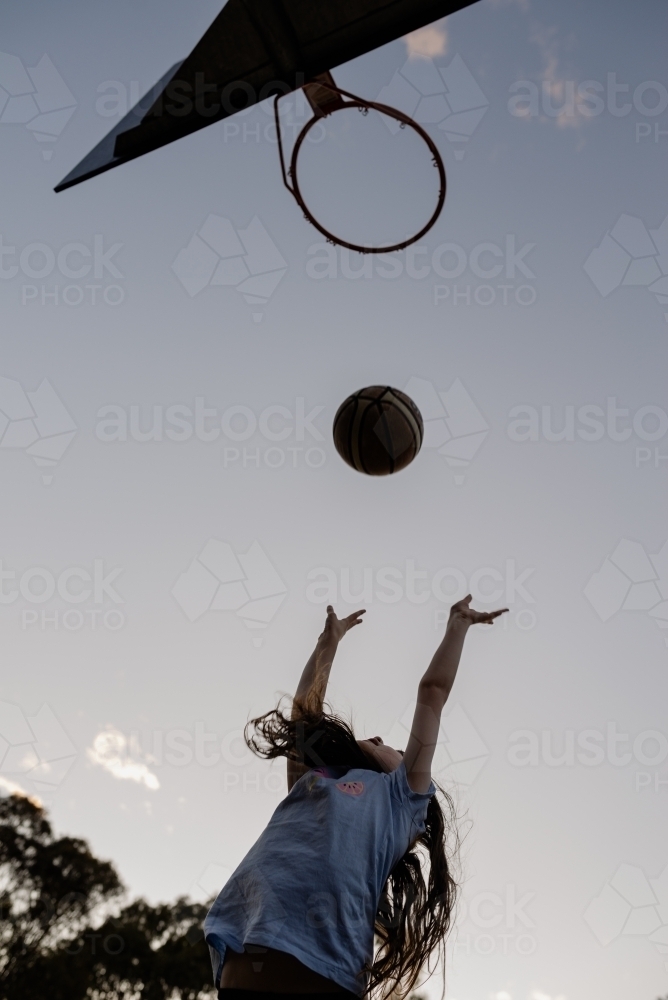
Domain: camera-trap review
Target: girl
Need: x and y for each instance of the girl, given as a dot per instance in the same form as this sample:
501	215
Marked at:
337	862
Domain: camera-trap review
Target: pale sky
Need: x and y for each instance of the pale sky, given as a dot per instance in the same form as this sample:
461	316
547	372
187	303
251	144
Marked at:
177	339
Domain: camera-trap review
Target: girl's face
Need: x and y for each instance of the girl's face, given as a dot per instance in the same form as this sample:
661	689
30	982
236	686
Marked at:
386	757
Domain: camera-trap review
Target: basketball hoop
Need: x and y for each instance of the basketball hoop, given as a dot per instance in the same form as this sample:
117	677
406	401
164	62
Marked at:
325	98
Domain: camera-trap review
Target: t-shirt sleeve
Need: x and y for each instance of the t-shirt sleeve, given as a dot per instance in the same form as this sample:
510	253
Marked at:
402	791
409	808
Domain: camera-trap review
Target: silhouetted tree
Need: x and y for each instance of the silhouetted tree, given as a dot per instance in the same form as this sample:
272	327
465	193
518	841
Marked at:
64	934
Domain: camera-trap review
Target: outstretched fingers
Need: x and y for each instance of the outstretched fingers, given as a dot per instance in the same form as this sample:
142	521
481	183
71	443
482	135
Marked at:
487	617
355	618
337	627
462	610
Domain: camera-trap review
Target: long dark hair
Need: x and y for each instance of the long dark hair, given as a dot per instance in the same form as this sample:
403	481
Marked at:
415	910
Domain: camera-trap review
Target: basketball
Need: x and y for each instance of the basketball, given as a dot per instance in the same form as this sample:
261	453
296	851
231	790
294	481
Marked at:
378	430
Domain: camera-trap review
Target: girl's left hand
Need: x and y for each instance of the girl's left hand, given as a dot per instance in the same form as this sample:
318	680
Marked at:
462	614
335	628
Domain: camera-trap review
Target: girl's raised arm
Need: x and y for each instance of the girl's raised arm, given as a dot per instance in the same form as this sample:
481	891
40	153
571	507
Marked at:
434	689
312	685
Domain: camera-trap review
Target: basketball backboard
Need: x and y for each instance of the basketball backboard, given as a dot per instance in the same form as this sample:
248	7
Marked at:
253	50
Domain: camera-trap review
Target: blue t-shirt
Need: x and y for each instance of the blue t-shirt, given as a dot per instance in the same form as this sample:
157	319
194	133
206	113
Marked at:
311	884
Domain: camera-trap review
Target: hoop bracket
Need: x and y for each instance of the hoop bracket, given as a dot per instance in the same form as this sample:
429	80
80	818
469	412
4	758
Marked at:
325	98
322	95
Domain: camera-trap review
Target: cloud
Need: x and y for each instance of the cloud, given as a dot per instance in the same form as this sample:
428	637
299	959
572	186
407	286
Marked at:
556	89
427	43
110	751
8	787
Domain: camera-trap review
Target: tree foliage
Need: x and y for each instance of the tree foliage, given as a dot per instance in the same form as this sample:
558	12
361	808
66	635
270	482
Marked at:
64	933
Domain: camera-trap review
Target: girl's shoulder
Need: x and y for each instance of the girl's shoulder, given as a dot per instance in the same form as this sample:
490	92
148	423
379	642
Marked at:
334	773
